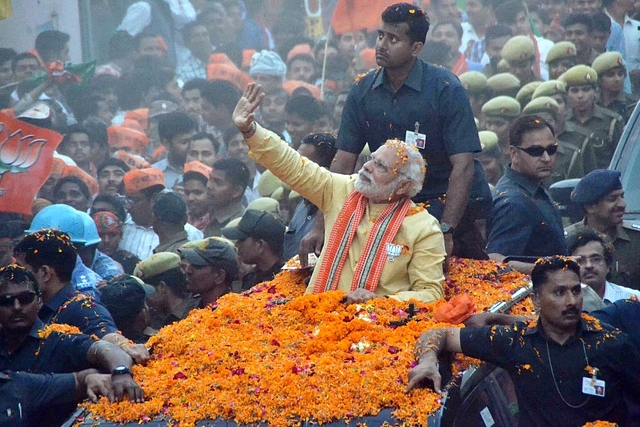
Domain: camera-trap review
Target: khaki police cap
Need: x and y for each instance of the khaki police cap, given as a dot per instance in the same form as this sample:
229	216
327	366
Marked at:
268	184
503	82
526	92
579	75
561	50
474	82
156	264
488	139
550	88
266	204
503	66
542	104
518	49
607	61
501	106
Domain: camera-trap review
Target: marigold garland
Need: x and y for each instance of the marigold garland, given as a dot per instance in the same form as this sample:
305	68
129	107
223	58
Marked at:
274	355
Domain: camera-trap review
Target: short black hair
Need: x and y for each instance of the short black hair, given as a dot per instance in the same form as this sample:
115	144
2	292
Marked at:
220	92
305	106
74	128
188	28
412	15
49	43
197	83
601	22
49	247
195	176
97	131
175	123
112	161
544	17
19	57
118	206
74	180
581	238
325	146
230	133
121	44
544	266
175	279
456	26
578	18
14	273
7	54
497	32
525	124
235	171
506	12
205	135
169	208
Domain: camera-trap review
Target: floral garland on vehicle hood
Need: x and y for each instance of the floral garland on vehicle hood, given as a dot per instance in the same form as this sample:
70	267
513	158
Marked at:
275	355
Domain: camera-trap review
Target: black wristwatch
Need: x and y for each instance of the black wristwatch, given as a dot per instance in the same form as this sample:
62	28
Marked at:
446	228
121	370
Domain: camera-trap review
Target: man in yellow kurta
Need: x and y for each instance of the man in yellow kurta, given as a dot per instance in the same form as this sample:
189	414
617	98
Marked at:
380	243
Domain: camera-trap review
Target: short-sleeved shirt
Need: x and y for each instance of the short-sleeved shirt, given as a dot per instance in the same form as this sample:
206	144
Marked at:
525	219
73	308
27	399
58	353
431	96
528	355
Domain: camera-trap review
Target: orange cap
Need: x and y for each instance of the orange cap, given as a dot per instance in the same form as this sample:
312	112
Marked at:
131	160
199	167
140	115
90	181
158	152
57	167
139	179
121	136
300	50
367	58
247	54
221	58
291	85
228	74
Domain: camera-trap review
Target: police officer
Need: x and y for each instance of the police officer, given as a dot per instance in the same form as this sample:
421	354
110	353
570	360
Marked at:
525	93
520	54
611	71
560	58
476	85
497	115
503	84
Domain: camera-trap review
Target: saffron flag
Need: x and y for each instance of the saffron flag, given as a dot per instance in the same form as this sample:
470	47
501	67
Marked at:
354	15
26	158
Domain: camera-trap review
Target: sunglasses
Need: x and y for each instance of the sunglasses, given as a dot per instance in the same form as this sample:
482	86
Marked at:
538	150
25	298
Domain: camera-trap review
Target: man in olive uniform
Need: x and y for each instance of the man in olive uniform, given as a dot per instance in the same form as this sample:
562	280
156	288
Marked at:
520	54
560	58
525	94
601	196
600	127
503	84
568	158
475	84
491	157
497	115
611	71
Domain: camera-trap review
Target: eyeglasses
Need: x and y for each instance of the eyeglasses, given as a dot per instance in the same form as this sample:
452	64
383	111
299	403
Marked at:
539	150
593	259
25	298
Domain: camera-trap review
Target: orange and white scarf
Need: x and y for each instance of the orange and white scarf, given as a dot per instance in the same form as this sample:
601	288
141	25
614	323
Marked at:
373	257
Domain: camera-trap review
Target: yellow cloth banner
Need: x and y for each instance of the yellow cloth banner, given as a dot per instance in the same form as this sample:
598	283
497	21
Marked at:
5	9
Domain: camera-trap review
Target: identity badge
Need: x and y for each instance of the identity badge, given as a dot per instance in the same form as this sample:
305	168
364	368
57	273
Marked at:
593	387
415	137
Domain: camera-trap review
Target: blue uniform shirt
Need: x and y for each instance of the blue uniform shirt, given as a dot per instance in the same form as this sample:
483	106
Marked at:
76	309
525	219
431	96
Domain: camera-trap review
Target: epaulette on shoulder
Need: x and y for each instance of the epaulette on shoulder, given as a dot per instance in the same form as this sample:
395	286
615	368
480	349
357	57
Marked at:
361	76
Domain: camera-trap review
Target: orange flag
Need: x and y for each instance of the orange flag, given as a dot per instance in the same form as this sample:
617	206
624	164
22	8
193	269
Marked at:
354	15
26	157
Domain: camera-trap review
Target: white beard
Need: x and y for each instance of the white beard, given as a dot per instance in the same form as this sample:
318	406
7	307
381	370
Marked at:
371	190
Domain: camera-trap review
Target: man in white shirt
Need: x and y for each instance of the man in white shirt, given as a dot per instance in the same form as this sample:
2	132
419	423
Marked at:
594	254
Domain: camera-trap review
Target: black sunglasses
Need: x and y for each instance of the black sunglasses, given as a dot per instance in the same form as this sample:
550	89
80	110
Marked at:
538	150
25	298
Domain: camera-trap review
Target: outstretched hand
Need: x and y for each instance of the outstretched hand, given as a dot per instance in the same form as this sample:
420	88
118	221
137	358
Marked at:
244	112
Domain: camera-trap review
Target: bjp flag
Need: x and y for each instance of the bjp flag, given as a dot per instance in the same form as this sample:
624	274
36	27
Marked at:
354	15
26	158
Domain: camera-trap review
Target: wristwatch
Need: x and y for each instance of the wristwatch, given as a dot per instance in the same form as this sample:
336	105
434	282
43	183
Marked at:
121	370
446	228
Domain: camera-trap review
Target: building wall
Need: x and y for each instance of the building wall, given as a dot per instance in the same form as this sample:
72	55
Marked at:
30	17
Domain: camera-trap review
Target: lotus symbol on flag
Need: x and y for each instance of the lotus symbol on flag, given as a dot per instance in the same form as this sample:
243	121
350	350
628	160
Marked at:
18	152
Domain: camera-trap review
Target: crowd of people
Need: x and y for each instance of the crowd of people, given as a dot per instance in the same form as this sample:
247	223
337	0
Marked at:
204	155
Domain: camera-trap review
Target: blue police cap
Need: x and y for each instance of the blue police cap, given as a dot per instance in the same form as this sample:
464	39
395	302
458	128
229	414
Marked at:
595	185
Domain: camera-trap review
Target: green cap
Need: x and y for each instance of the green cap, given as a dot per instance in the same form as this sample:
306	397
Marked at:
156	264
265	204
607	61
501	106
503	84
518	49
550	88
542	104
579	75
474	82
561	50
526	92
503	65
268	184
489	143
208	251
